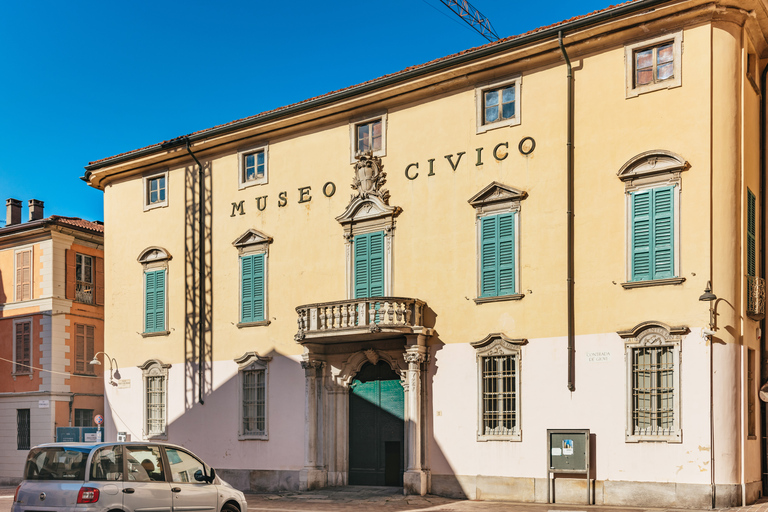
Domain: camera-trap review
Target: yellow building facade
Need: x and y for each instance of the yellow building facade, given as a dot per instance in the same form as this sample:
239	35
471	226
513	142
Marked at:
530	230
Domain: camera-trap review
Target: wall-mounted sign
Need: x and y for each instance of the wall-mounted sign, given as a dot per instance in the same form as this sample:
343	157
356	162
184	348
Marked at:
598	356
43	404
123	383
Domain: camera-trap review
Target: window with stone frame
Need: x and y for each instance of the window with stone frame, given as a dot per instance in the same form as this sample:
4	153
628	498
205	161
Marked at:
155	190
155	377
653	382
253	166
497	212
654	64
652	184
498	104
498	371
368	136
253	373
155	262
253	251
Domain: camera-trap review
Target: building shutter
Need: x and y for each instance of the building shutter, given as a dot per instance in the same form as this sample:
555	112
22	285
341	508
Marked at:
506	254
69	287
641	236
252	288
751	228
362	256
489	263
376	266
99	281
80	349
90	340
154	301
663	236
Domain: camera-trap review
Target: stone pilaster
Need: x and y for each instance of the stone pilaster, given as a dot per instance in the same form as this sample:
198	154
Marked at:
416	477
313	475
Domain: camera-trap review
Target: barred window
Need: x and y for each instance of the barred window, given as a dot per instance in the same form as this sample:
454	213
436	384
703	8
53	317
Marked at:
254	402
155	405
498	369
253	375
653	382
499	395
83	417
22	429
653	390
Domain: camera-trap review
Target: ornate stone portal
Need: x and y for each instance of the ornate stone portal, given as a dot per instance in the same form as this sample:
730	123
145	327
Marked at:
340	337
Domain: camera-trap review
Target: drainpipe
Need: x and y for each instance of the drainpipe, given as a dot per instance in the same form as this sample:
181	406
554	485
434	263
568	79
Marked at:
569	180
763	376
200	274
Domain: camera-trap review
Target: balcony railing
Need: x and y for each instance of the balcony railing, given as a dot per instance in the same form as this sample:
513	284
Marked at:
359	316
84	292
755	297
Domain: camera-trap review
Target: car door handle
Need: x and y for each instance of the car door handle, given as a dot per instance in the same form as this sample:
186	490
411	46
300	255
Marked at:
129	490
175	489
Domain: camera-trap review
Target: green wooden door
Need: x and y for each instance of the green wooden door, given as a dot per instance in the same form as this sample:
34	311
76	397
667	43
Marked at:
376	427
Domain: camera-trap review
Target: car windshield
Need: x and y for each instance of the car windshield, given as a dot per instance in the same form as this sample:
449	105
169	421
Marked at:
56	463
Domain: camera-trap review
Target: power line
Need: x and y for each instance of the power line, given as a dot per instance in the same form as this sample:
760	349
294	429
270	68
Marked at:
67	374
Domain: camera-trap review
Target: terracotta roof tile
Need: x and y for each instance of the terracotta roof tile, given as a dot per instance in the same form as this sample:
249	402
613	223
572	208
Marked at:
410	68
78	222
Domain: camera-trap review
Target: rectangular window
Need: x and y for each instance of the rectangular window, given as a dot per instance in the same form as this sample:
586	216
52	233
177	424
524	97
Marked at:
155	190
751	230
83	417
23	347
653	234
653	391
499	395
369	265
254	403
155	402
498	104
253	166
84	278
654	64
497	255
369	136
24	275
154	301
22	429
84	349
252	288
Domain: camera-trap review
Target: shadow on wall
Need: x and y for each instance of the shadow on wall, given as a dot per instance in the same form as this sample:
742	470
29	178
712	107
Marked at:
197	385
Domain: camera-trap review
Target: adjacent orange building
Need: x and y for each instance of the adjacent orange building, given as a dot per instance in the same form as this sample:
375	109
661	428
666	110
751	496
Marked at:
51	327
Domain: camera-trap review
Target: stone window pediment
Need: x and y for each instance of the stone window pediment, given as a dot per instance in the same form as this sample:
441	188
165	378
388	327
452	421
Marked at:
252	361
154	255
252	241
497	197
653	166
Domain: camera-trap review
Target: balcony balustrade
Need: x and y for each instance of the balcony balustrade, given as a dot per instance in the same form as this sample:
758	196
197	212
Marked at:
84	292
755	297
373	317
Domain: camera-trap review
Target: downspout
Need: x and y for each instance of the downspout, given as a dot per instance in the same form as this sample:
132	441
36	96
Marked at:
200	274
763	376
569	180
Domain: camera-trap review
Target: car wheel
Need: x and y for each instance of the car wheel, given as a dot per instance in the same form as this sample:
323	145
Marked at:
228	507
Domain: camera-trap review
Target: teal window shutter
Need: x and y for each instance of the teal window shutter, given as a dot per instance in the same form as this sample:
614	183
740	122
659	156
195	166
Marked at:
653	240
154	301
369	265
252	288
751	266
497	255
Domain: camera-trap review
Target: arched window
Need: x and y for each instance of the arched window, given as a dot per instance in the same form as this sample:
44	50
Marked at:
155	260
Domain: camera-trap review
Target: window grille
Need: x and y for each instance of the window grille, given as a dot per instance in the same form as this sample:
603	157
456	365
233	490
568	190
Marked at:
254	402
155	405
22	429
653	390
499	395
83	417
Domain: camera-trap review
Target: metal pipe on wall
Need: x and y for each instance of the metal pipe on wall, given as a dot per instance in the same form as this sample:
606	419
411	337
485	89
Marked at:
570	241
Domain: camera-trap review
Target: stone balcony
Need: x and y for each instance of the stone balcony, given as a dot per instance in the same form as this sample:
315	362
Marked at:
359	320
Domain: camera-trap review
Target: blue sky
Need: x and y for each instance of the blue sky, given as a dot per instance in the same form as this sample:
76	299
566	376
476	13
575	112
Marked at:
85	80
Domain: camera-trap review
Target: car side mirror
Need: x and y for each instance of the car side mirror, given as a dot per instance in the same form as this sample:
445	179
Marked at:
200	476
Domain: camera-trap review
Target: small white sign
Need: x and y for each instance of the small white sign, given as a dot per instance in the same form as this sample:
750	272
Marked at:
598	356
43	404
90	437
556	452
123	383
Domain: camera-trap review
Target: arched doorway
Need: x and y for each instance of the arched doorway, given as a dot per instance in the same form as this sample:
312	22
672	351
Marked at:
376	427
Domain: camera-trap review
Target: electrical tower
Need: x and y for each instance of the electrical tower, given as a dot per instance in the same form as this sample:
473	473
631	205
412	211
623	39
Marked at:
473	18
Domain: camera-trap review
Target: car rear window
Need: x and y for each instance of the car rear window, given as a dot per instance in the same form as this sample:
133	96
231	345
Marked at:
56	463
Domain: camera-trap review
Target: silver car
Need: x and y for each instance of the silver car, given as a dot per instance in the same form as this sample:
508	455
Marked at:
129	477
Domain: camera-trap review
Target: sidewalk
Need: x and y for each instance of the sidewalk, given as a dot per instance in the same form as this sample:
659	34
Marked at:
360	498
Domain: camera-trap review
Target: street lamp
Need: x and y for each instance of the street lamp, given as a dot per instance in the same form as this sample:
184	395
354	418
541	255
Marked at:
710	297
112	361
